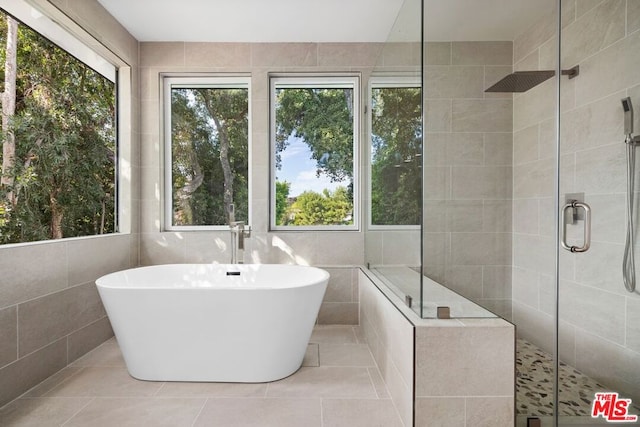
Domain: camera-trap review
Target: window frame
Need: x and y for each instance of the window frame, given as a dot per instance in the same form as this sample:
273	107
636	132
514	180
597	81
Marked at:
169	81
329	81
376	83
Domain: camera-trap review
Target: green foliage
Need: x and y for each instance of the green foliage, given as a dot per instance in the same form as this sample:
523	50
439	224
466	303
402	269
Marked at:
396	175
282	195
64	128
323	118
311	208
198	176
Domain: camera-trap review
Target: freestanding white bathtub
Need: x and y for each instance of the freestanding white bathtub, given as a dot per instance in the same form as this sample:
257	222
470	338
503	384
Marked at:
218	323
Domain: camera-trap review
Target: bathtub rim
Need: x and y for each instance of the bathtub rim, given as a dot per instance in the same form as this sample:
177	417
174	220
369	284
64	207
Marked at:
116	279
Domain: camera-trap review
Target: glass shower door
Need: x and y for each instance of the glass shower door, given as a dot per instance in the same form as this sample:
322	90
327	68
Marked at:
598	318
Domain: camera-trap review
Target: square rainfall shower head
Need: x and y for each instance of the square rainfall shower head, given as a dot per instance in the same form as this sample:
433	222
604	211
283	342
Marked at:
521	81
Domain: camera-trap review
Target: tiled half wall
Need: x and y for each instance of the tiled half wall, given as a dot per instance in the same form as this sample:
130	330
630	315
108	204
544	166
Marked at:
452	372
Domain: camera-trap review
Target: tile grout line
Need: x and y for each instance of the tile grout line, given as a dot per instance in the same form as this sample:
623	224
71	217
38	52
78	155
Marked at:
46	394
77	412
375	389
155	394
200	412
266	391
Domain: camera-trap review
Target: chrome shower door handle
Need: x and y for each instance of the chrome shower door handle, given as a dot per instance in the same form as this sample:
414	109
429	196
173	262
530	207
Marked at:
574	204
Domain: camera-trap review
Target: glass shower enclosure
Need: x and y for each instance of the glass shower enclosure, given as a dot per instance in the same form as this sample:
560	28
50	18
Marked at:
524	161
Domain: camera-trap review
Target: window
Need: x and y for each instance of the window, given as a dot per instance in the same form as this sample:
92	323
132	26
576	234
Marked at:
58	132
395	153
207	151
314	143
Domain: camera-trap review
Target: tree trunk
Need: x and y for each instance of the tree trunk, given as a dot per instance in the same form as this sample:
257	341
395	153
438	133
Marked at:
9	109
348	96
224	162
224	151
56	216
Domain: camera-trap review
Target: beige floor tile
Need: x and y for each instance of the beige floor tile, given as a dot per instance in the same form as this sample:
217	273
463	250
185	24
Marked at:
138	412
359	413
104	382
312	356
98	391
345	355
260	413
335	334
325	381
107	354
180	389
41	411
359	332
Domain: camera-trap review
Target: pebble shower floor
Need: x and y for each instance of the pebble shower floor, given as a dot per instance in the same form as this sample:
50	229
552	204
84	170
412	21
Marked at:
534	385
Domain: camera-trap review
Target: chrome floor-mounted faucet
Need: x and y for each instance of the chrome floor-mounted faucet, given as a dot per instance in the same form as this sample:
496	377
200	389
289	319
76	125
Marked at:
239	232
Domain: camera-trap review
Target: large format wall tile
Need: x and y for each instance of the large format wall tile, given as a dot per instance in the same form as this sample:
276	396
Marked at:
535	36
217	54
9	334
633	324
441	411
633	16
474	182
390	338
606	24
454	82
157	54
25	279
608	363
475	115
93	258
437	53
597	78
481	53
28	371
284	54
496	216
480	249
477	358
48	318
599	312
348	54
84	340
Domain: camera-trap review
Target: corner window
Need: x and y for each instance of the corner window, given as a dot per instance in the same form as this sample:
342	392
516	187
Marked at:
314	143
206	151
395	160
58	132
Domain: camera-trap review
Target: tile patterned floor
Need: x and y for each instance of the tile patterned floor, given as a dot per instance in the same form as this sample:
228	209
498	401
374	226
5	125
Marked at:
338	385
534	385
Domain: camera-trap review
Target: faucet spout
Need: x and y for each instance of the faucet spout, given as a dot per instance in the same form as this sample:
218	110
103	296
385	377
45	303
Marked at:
239	232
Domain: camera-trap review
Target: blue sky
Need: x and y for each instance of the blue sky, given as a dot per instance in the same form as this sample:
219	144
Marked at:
300	170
